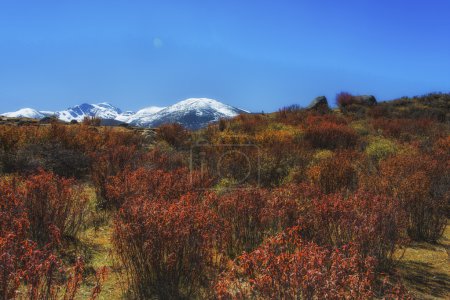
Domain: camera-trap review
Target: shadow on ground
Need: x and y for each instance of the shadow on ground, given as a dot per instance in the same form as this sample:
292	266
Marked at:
426	280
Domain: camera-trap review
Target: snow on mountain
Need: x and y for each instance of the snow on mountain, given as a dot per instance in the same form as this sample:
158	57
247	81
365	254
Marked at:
140	115
25	113
102	110
192	113
123	117
47	113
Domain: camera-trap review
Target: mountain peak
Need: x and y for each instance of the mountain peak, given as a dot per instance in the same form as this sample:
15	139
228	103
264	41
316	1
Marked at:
199	100
102	110
192	113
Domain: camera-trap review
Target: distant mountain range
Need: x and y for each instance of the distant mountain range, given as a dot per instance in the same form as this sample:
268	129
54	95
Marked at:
192	113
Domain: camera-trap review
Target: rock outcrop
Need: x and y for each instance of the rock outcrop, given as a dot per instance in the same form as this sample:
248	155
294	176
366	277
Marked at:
319	103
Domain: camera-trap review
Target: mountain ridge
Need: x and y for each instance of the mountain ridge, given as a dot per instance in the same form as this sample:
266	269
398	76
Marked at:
193	113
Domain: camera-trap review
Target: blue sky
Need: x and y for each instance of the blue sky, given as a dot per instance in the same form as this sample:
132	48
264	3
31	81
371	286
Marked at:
258	55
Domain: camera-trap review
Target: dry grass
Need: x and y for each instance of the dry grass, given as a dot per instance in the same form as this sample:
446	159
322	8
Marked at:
425	269
94	244
98	251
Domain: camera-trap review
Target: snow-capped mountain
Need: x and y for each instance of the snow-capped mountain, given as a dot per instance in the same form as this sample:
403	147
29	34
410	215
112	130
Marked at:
140	115
25	113
192	113
101	110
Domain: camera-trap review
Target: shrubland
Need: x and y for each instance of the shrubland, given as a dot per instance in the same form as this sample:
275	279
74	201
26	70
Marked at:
318	205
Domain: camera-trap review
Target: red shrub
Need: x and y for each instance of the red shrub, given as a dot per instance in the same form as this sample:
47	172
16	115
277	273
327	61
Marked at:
329	135
174	134
164	160
313	120
169	250
22	263
52	203
335	174
344	99
116	151
421	183
406	129
248	123
375	224
288	205
286	267
13	231
242	211
39	270
155	185
111	162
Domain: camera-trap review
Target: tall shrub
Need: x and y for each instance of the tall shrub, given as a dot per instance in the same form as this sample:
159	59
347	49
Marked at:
168	250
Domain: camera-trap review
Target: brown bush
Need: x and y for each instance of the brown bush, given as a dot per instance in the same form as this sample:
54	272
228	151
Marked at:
248	123
278	163
53	157
68	151
293	115
92	121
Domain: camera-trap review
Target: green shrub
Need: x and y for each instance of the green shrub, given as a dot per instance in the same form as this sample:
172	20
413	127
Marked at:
380	148
360	127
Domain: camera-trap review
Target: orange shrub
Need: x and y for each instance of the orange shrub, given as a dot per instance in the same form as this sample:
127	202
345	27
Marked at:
248	123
